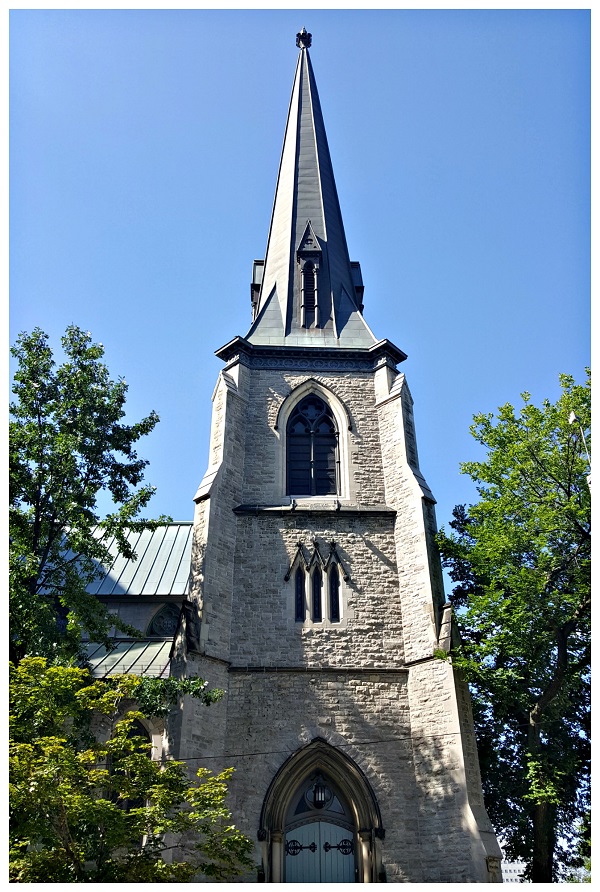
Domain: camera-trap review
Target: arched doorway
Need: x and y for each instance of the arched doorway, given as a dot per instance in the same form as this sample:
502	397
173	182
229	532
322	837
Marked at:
320	821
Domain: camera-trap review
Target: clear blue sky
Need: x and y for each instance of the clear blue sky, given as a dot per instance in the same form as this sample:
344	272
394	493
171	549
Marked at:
144	156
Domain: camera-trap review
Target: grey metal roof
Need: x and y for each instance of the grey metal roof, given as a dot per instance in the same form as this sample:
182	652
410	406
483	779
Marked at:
306	199
162	566
134	657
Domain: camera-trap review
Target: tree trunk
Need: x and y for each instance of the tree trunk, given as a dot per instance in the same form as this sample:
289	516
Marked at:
543	843
543	814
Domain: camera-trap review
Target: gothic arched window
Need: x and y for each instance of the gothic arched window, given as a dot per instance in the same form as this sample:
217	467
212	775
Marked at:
334	594
317	609
312	442
299	595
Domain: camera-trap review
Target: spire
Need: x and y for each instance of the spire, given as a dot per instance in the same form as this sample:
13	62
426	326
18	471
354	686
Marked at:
307	292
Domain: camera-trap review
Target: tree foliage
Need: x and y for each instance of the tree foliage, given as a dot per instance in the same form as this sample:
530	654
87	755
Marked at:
80	807
521	560
68	442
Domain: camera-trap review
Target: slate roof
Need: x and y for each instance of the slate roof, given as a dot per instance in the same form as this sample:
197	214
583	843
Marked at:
162	566
306	200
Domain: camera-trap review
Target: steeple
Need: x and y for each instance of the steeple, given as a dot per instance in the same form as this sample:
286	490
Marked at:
307	292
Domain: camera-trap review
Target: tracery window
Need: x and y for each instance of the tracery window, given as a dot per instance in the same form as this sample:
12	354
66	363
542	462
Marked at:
165	622
312	449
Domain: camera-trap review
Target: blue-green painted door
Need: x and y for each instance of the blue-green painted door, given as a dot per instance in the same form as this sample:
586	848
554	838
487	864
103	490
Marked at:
319	852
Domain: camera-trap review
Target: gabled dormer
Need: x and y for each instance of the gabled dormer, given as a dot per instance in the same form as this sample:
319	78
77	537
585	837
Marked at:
308	258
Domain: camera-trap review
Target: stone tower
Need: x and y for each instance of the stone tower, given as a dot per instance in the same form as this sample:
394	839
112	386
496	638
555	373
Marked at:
316	600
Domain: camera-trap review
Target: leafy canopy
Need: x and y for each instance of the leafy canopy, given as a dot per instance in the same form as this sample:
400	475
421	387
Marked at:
521	559
84	792
67	443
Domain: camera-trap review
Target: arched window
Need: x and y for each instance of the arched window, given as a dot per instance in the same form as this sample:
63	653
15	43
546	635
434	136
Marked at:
334	594
300	608
312	449
317	609
165	622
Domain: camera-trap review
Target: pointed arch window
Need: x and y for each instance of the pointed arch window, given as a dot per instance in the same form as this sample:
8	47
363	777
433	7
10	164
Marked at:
334	594
312	449
300	609
316	601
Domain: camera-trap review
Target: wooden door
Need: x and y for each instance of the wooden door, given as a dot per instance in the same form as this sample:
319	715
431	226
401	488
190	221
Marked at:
319	852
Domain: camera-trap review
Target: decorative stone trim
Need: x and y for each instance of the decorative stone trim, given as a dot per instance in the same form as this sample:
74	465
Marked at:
300	507
319	386
298	557
294	358
323	670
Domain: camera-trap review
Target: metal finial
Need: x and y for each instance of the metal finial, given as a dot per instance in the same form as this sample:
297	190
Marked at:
303	39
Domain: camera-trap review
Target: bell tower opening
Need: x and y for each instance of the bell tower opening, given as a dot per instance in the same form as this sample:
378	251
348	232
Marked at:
312	457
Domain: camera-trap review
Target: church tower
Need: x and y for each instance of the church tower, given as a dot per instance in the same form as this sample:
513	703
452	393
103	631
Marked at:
316	598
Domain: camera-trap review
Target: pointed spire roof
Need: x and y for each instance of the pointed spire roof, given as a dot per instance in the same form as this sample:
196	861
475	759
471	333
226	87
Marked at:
309	293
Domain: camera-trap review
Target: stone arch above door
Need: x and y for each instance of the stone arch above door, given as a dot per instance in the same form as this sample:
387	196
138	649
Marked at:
319	757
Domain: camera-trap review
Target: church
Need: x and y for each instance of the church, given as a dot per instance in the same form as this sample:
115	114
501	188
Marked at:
308	586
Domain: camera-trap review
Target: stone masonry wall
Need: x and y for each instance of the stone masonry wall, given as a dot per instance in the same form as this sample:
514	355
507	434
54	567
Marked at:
215	524
289	682
405	492
264	631
264	462
368	715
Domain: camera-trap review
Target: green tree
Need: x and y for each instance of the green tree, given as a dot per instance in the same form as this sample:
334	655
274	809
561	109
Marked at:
84	810
521	561
67	443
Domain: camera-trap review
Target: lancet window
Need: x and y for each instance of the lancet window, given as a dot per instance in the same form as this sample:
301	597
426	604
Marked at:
316	584
334	593
300	608
312	449
317	603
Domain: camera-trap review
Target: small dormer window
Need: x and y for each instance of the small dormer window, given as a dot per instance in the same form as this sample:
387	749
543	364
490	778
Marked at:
308	256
